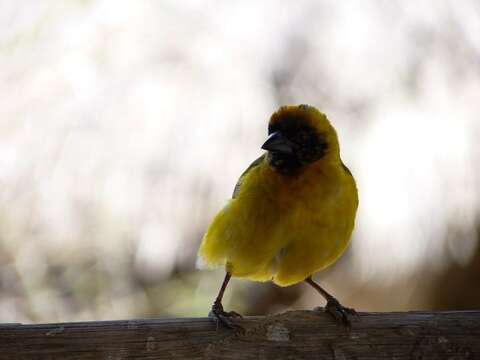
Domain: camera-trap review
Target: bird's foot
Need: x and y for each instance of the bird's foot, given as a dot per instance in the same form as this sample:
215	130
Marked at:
223	317
340	313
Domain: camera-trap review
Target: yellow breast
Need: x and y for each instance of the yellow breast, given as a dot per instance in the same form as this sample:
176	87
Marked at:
284	228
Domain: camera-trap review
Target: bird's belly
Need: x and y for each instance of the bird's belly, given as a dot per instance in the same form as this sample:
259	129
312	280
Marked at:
309	252
293	245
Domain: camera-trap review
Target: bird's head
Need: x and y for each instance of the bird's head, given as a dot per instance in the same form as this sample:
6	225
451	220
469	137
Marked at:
299	136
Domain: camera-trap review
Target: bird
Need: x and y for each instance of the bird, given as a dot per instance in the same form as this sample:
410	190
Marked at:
291	214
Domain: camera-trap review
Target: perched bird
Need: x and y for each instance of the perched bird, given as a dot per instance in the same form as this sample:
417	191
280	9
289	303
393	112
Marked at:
292	211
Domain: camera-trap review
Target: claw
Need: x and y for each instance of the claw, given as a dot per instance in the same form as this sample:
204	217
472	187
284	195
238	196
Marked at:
233	314
340	313
223	317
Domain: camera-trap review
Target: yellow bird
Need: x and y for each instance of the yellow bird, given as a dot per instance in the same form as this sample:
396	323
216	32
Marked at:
292	212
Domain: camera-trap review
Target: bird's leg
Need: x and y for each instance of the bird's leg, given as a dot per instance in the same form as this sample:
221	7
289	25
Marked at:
217	308
333	307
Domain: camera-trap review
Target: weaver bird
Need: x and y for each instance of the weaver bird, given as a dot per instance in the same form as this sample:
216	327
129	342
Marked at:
292	211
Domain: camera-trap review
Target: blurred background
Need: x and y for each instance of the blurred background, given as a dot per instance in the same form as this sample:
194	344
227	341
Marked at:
124	126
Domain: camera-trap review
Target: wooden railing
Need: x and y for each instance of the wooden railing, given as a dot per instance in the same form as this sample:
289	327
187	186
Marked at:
291	335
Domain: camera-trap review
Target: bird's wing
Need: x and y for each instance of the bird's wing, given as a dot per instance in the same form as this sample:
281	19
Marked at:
239	182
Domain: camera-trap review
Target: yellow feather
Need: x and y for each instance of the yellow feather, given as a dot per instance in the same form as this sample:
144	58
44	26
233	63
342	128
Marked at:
285	228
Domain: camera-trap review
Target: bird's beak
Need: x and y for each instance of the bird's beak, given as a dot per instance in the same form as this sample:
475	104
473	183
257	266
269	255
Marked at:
276	142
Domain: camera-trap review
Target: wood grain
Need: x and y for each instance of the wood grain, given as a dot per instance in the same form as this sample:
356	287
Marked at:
292	335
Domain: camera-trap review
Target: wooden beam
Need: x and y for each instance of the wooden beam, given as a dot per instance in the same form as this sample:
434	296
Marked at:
291	335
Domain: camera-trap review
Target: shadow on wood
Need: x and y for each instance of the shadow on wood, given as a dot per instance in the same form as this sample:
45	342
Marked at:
291	335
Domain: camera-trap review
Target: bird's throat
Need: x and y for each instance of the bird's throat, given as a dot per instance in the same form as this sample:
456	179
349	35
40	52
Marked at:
285	164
